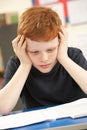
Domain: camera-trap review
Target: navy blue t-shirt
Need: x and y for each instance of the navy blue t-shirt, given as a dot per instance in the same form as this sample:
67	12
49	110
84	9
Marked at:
52	88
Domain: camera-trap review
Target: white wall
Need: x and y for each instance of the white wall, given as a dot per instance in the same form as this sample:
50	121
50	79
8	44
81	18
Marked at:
78	37
14	5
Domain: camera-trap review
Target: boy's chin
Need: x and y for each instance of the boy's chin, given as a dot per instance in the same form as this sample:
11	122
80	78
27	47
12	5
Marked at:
45	70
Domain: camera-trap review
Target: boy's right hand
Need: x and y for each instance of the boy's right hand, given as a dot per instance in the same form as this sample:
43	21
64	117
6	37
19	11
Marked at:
19	46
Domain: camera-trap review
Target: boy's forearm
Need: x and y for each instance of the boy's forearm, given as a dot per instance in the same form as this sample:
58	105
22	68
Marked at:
9	95
77	73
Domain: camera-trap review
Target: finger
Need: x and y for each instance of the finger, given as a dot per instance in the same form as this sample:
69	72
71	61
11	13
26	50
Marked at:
60	34
16	39
62	30
15	42
24	45
21	41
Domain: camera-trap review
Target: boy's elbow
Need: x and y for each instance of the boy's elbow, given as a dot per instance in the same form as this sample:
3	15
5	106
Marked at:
85	89
5	110
85	92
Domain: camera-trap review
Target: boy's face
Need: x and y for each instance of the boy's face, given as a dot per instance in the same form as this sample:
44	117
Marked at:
43	54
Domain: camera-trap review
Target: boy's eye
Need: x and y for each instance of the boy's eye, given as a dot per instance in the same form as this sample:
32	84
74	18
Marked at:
35	52
50	50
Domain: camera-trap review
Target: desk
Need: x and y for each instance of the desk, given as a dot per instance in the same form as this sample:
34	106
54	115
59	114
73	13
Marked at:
59	124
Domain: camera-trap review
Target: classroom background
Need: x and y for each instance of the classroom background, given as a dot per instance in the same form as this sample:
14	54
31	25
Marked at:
73	14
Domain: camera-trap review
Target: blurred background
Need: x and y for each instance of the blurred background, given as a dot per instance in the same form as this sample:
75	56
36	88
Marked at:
73	14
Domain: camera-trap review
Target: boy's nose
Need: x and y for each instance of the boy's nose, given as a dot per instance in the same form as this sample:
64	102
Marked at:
44	57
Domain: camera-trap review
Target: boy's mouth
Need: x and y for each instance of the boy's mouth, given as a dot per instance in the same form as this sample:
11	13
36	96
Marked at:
45	66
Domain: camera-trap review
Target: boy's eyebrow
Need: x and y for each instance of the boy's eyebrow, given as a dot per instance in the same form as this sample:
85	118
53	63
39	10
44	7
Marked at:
32	50
40	50
51	48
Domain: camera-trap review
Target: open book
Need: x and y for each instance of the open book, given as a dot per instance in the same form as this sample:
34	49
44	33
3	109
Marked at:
73	109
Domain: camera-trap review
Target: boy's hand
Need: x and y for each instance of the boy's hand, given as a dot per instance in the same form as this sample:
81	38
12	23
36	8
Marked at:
19	46
63	45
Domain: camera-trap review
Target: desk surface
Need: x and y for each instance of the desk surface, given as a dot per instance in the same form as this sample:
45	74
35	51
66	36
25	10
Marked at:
59	124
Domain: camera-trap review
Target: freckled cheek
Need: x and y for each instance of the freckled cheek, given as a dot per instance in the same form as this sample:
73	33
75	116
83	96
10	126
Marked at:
54	55
34	59
30	56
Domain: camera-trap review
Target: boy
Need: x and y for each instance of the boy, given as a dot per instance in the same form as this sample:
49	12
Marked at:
45	71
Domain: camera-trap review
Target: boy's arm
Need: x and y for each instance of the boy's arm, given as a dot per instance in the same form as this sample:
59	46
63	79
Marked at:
9	95
76	72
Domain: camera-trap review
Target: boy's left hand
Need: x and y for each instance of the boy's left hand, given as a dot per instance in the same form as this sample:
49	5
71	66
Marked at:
63	45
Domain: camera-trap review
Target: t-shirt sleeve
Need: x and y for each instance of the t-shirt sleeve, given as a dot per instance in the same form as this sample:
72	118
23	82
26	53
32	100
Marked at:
78	57
10	70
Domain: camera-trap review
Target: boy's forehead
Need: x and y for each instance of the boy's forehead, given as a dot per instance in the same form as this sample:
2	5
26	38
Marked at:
50	42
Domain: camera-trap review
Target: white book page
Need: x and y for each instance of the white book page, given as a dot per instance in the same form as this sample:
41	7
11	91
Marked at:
21	119
74	109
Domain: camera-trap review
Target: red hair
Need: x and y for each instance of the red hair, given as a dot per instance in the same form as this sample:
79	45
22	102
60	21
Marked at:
39	24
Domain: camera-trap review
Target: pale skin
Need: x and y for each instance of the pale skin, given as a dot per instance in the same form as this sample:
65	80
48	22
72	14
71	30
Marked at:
43	58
